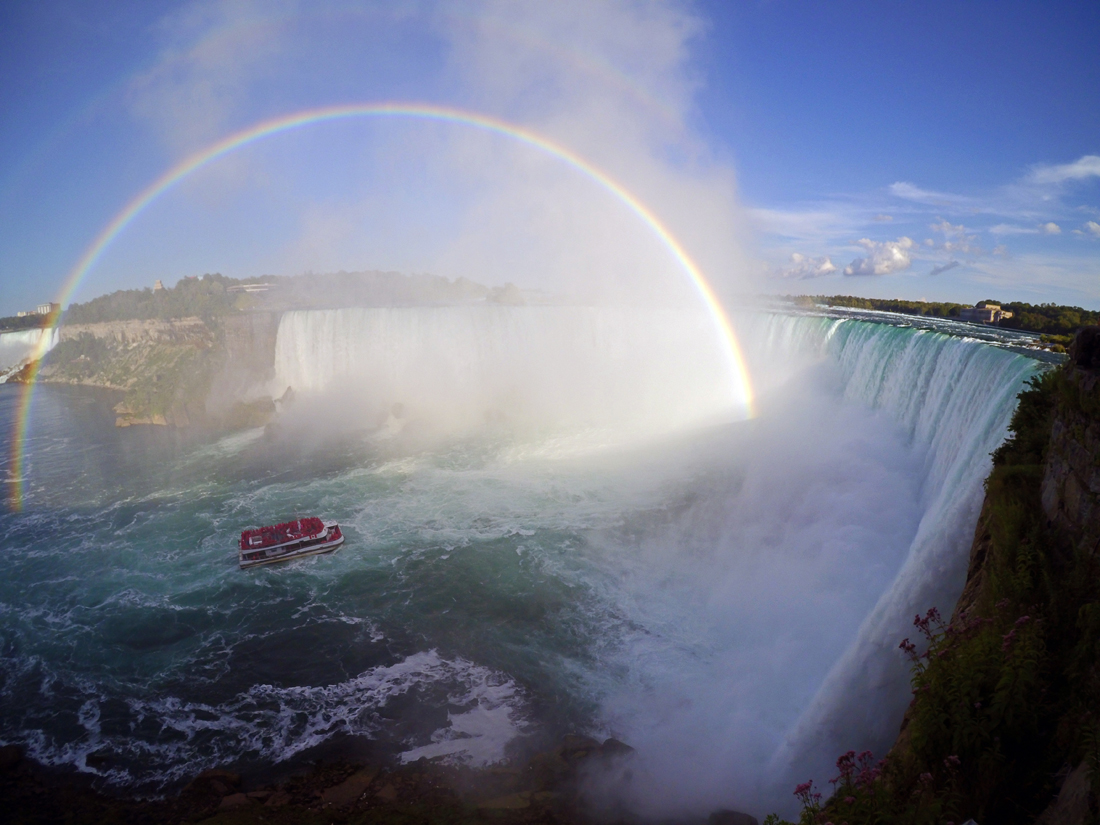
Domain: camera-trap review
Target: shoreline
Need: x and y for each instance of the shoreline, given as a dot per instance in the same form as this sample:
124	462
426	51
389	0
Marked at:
574	782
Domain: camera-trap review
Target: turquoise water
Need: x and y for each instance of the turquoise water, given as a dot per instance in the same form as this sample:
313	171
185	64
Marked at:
460	606
714	594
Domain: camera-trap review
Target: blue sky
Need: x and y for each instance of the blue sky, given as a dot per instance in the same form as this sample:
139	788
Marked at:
946	151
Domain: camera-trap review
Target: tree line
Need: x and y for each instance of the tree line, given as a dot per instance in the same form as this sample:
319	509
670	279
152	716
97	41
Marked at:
1048	319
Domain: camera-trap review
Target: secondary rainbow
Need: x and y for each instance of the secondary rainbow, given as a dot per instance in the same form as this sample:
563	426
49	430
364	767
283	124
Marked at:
423	111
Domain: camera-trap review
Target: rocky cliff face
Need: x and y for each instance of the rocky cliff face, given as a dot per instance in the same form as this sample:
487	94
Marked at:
180	372
1071	479
182	331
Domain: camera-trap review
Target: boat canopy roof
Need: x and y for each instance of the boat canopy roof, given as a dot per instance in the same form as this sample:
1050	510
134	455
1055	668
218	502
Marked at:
303	528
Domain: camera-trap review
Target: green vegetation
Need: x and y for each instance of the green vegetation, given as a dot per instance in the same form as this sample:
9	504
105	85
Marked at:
935	310
1006	693
15	323
204	297
1051	319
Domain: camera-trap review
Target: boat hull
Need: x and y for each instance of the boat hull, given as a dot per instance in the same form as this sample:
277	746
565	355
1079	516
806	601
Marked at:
281	554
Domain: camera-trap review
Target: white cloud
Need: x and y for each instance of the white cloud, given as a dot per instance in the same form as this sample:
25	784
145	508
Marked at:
803	267
883	218
885	257
911	192
939	270
1050	228
947	228
1093	227
1010	229
1087	166
956	238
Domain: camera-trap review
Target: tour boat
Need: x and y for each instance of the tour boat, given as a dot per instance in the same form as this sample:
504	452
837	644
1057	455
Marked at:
290	540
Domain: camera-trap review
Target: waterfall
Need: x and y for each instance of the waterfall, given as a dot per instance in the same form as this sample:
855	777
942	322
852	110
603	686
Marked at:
954	397
17	347
725	642
534	365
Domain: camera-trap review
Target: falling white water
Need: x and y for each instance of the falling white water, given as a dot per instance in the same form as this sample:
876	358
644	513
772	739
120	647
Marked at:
16	348
531	366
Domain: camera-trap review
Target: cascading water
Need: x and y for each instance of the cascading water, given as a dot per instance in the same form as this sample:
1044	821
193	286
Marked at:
17	347
725	595
533	366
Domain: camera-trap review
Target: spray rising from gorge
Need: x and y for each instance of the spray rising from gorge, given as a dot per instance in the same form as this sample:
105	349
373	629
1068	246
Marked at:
545	537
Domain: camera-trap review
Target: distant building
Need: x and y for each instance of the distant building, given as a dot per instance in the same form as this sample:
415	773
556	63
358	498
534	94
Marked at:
249	288
41	309
158	286
985	313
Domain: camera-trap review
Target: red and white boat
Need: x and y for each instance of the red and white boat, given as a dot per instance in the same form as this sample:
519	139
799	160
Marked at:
290	540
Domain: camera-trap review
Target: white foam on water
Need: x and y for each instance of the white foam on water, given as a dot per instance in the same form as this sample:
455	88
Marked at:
273	724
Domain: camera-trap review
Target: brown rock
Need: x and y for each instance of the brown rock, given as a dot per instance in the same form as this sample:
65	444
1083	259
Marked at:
350	789
574	748
388	793
221	781
236	800
512	802
278	799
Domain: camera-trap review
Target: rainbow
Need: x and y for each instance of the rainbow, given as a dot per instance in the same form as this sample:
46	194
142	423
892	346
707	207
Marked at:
422	111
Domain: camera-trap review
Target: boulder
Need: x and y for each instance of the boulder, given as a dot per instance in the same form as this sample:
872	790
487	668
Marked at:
348	791
236	800
614	748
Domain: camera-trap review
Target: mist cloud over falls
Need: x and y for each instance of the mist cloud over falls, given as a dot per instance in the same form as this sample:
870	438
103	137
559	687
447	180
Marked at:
532	368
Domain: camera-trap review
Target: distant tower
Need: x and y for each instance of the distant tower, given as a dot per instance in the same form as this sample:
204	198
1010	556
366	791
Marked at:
158	286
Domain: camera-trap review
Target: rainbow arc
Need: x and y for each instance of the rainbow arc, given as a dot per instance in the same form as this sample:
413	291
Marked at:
723	327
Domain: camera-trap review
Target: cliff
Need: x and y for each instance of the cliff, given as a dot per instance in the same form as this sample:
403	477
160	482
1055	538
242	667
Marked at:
179	372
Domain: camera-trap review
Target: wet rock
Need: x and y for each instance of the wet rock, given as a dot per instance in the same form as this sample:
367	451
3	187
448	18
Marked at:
97	760
278	799
236	800
350	789
387	793
214	780
615	748
10	756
